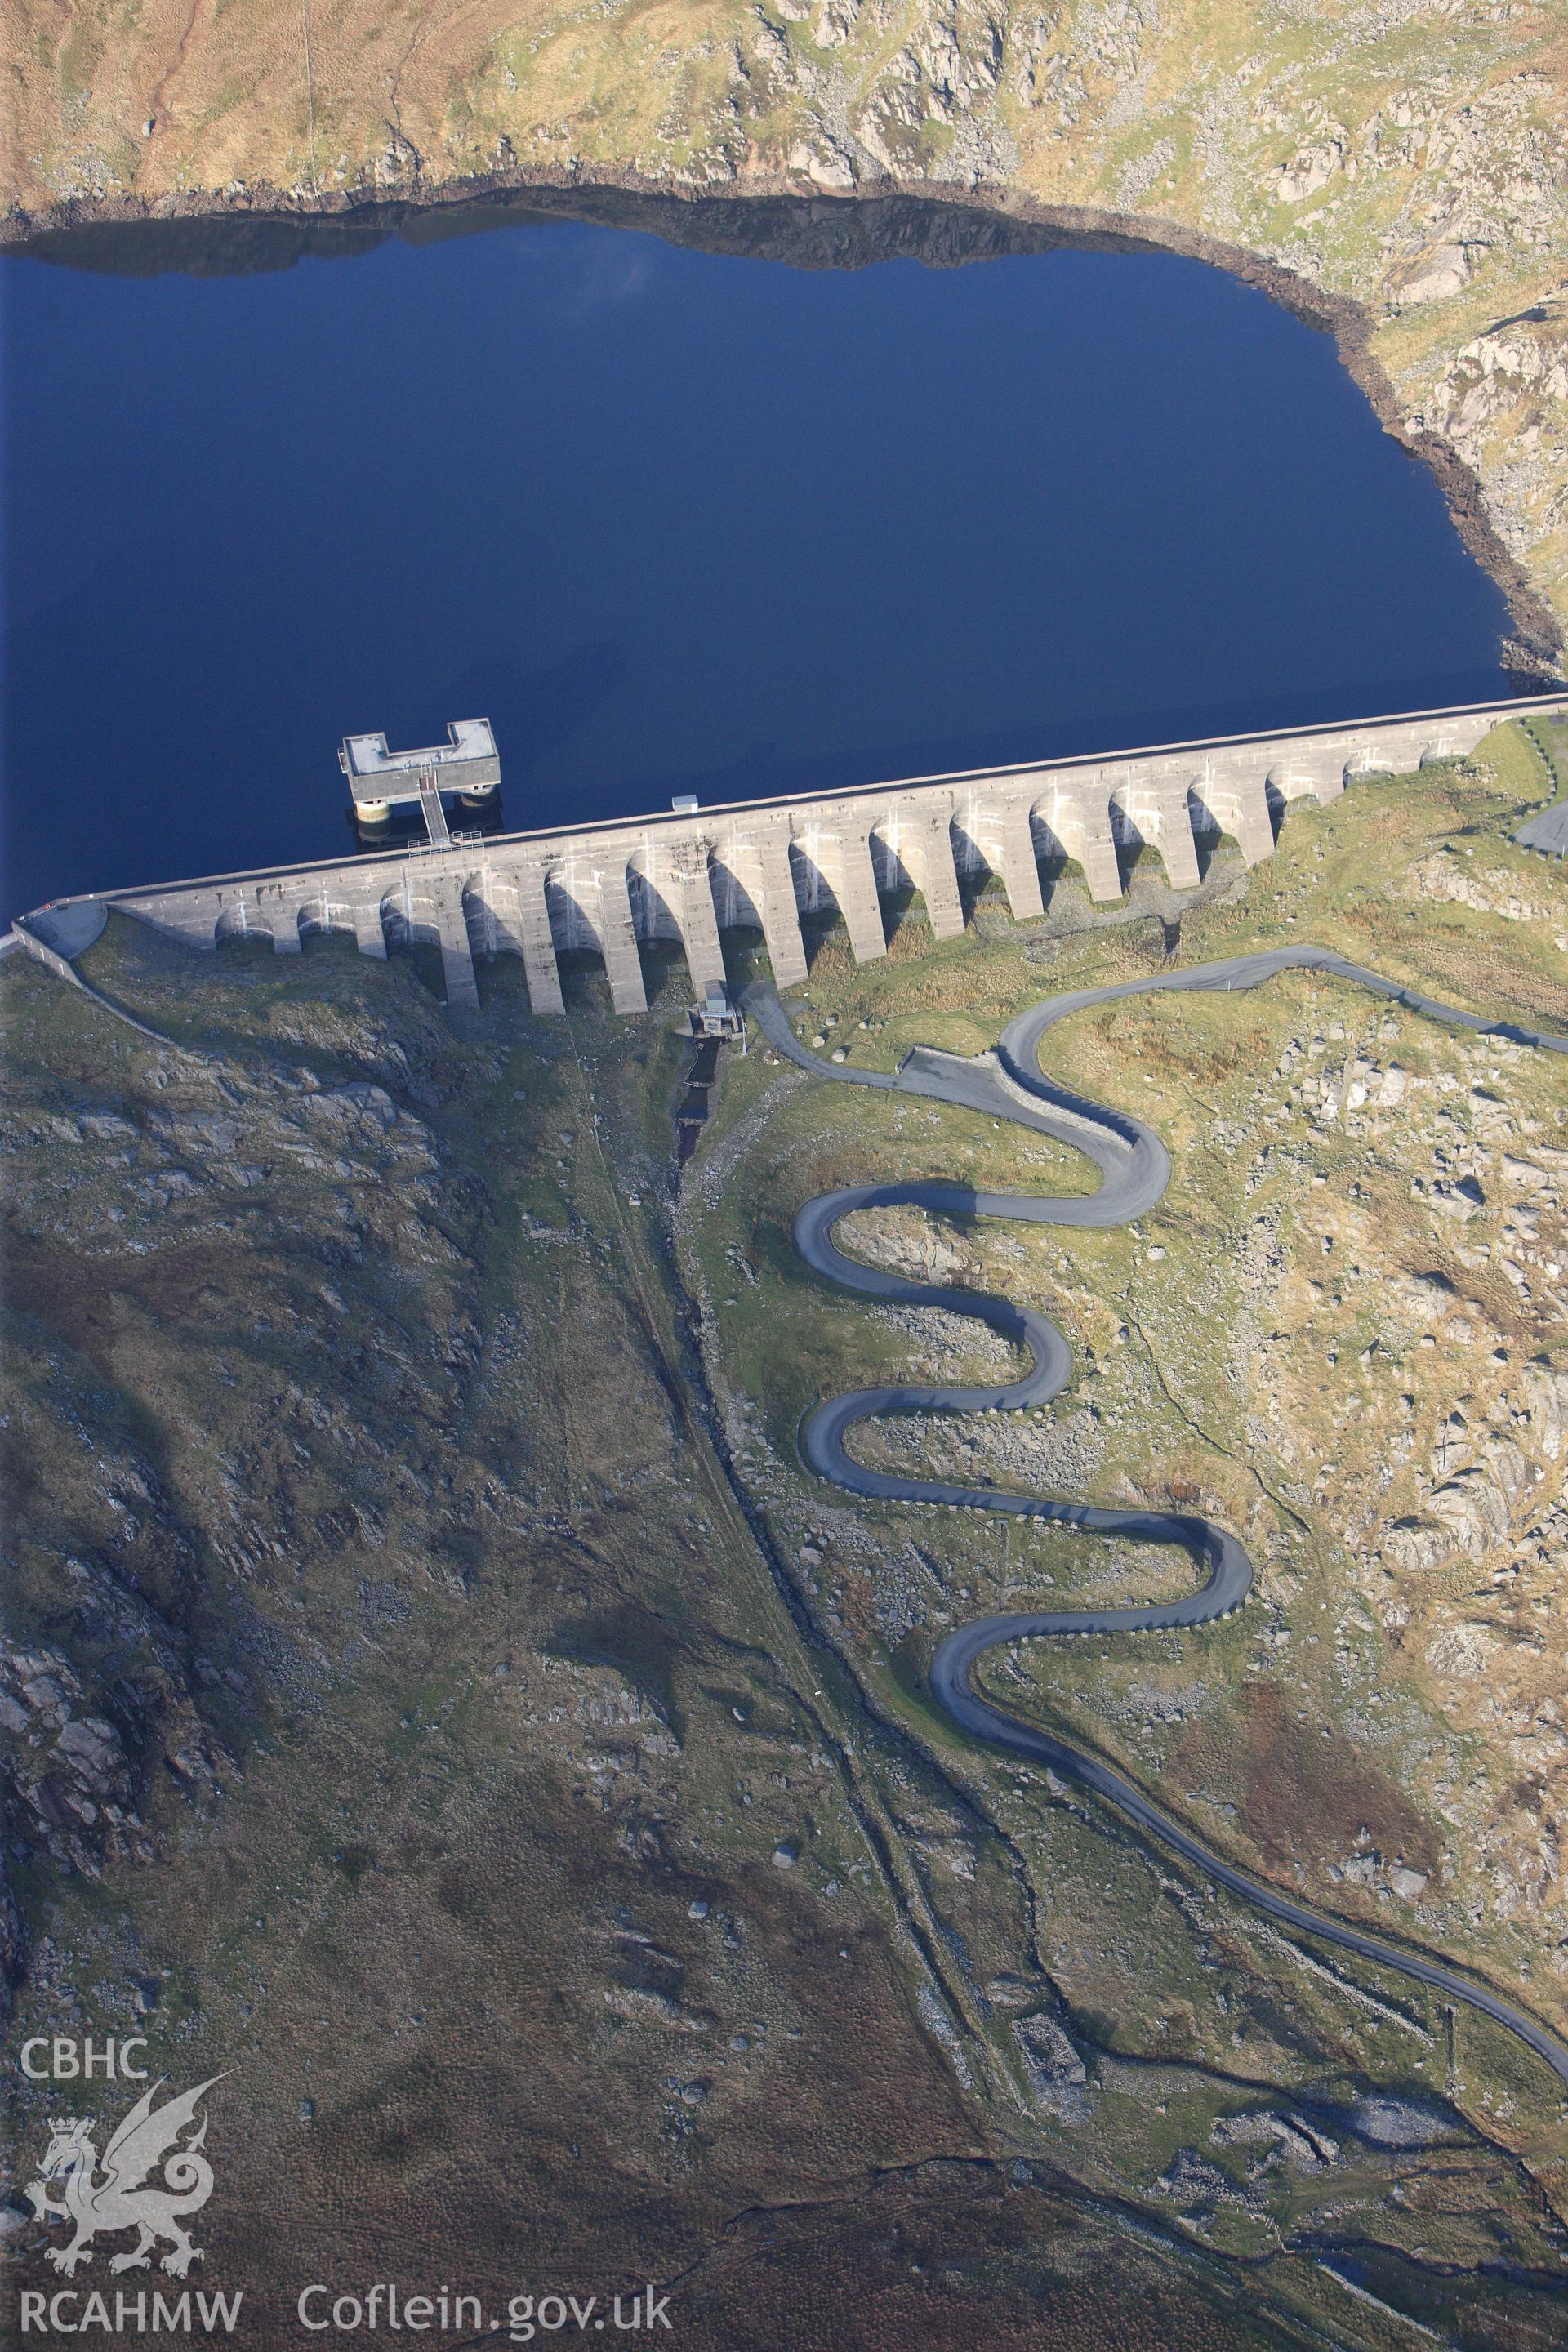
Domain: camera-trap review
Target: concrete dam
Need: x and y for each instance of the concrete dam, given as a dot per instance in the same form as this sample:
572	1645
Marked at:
766	864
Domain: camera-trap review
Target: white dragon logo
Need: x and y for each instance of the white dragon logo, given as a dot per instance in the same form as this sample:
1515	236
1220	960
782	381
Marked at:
120	2200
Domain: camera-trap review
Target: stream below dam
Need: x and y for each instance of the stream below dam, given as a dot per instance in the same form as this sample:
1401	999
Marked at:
677	521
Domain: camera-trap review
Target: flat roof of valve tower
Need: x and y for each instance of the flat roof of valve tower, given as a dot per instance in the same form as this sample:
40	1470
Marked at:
466	762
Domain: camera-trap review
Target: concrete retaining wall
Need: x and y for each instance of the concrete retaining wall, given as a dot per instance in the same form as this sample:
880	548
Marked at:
765	865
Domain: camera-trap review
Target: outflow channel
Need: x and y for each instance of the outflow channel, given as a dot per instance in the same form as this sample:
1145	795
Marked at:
1134	1169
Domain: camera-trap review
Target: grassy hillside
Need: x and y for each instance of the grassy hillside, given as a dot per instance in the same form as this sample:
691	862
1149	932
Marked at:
441	1695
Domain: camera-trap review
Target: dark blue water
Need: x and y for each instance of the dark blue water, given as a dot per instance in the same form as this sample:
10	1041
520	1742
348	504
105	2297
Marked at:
674	522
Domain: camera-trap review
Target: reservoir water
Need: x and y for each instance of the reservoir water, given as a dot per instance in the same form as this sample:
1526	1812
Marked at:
675	522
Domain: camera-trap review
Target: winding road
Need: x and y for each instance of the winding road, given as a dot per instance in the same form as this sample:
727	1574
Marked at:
1134	1170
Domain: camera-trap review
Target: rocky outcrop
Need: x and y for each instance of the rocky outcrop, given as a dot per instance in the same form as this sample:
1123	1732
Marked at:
1481	1506
72	1787
1546	1393
79	1750
136	1667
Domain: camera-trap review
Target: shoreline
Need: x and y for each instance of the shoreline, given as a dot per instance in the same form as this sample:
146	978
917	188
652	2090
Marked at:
769	219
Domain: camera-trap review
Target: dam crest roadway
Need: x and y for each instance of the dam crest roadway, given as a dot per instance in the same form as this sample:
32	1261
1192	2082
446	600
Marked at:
770	865
1134	1170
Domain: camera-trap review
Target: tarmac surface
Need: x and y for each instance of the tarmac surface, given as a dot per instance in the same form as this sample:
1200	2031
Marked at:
1134	1171
1548	832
